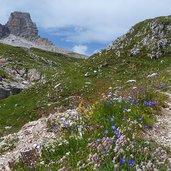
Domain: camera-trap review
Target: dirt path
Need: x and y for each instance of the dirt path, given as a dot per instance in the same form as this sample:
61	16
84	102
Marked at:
161	133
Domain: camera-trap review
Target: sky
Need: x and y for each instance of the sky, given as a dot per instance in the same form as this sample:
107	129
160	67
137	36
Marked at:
85	26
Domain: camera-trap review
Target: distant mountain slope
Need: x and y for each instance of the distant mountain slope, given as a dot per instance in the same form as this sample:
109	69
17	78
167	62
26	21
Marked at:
21	31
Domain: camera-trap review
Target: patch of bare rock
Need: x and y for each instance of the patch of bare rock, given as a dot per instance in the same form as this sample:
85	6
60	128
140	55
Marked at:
33	136
161	133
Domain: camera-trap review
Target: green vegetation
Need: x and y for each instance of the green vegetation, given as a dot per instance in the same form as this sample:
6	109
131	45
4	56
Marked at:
102	83
68	80
112	138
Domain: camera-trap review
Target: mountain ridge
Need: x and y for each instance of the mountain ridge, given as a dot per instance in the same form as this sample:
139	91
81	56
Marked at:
20	28
150	37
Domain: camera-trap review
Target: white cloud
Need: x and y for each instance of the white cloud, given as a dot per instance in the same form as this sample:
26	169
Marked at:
82	49
94	20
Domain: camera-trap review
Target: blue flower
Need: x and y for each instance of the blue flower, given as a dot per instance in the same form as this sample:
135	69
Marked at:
133	101
67	125
140	119
113	127
117	133
99	140
106	131
112	119
131	162
124	119
155	126
145	126
124	109
149	103
89	107
121	161
53	127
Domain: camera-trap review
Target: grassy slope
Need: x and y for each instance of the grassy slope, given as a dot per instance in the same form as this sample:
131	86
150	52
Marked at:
69	73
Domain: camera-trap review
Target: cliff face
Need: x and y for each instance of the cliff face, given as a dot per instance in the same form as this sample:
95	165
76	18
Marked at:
4	31
20	24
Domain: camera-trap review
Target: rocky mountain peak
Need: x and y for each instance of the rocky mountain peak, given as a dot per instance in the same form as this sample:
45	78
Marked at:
20	24
150	38
21	31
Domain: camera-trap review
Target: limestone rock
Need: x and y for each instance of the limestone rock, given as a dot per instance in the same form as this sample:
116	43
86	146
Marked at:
3	31
21	31
20	24
151	38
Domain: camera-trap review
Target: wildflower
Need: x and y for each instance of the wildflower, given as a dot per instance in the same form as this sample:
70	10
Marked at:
31	166
116	166
117	133
131	162
133	101
89	107
155	126
140	119
121	161
145	126
112	119
128	110
99	140
124	109
106	131
124	119
67	125
149	103
113	127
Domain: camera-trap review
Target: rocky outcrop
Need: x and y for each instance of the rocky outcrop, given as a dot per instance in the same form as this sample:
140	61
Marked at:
19	79
21	31
34	135
150	38
20	24
3	31
10	89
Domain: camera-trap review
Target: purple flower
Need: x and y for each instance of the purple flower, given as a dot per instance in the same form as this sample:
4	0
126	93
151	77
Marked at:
67	125
140	119
89	107
149	103
106	131
54	127
113	127
31	166
145	126
124	109
133	101
124	119
112	119
99	140
131	162
155	126
117	133
121	161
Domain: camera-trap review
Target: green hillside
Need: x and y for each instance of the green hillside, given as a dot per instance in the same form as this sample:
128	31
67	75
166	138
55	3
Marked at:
116	97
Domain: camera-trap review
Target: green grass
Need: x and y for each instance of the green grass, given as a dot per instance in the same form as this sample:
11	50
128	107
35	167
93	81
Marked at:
74	153
66	85
69	73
